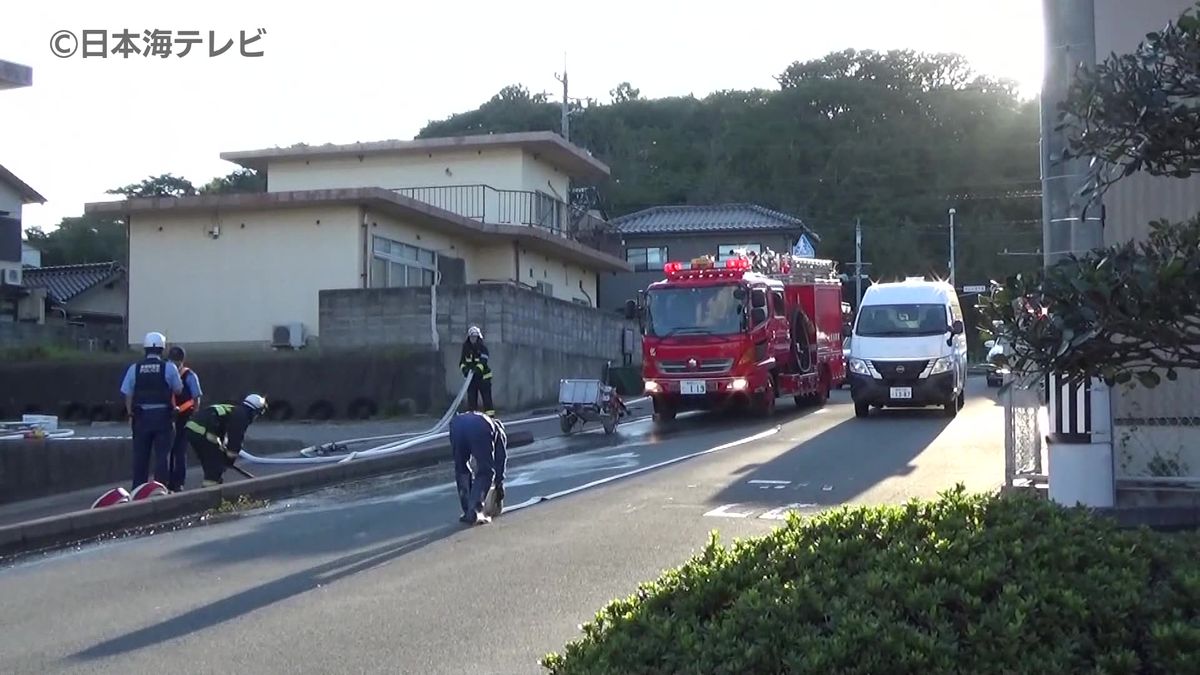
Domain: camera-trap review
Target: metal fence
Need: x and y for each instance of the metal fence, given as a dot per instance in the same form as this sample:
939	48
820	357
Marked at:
1156	432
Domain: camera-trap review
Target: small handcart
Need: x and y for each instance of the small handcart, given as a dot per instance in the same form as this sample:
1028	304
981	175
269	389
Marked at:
583	401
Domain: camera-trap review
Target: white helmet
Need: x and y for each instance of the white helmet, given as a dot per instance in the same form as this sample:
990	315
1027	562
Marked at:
256	403
154	340
474	331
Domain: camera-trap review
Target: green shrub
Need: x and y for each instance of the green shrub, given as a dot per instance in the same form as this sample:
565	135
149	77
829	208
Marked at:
961	584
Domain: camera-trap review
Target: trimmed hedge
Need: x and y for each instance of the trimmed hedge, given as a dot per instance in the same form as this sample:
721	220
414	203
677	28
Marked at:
961	584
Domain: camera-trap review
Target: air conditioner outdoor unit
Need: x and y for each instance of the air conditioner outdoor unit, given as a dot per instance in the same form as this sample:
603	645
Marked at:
288	336
12	276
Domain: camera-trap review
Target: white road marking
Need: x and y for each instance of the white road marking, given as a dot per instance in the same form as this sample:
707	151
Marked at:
742	441
781	512
723	512
769	482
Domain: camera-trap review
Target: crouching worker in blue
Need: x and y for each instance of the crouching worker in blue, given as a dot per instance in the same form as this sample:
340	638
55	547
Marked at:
479	437
149	388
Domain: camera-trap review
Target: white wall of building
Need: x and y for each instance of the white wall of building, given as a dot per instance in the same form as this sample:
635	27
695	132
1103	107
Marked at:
541	176
10	200
501	168
264	269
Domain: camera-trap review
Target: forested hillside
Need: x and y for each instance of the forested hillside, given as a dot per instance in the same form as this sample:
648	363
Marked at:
895	139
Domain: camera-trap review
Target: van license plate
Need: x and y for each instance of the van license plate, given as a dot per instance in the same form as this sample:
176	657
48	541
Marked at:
902	392
692	387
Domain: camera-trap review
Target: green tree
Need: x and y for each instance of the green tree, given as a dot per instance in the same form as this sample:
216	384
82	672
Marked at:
895	138
240	181
1128	311
86	239
165	185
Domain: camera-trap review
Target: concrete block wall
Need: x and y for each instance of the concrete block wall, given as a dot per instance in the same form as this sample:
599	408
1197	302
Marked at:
95	337
534	340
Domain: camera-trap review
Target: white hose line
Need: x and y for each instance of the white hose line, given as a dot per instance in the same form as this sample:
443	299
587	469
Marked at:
413	439
422	438
59	433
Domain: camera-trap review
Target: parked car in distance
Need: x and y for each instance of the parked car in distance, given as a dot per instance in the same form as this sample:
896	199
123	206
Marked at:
996	372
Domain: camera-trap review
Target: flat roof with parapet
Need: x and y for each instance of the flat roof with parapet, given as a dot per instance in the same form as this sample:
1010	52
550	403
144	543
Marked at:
13	75
571	157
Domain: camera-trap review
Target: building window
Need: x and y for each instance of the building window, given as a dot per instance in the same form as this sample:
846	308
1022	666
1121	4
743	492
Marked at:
395	263
547	211
649	259
726	251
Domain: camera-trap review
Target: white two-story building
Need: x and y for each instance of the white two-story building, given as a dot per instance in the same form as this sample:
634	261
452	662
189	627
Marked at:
237	269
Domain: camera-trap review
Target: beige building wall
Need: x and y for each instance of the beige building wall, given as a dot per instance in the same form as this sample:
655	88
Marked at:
264	269
1131	204
540	176
102	299
501	168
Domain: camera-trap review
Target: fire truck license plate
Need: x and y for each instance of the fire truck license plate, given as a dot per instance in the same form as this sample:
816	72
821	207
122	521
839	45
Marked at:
691	387
902	392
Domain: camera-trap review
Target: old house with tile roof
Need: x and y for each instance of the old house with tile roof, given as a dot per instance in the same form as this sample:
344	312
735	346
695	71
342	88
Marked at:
655	235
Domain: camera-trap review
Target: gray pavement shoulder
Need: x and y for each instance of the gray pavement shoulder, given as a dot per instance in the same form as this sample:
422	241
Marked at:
80	526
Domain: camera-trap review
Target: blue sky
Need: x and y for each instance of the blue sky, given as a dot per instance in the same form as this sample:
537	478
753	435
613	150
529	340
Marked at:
352	71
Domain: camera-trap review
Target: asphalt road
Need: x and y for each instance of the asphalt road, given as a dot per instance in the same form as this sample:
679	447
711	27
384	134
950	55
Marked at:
380	577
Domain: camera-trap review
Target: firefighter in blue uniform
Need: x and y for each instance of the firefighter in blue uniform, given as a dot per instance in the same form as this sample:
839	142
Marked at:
479	437
475	359
186	404
149	388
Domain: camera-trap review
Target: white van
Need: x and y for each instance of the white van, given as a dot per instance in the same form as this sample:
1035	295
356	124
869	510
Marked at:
910	348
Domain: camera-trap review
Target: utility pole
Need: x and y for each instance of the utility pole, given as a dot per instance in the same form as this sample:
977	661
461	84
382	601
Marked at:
1070	43
566	106
952	212
857	263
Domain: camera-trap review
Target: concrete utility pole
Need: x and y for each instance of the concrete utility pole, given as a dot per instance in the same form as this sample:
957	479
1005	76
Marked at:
1070	28
952	212
566	105
857	263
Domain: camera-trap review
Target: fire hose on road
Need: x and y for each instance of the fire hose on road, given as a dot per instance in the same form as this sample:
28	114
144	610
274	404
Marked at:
396	442
413	439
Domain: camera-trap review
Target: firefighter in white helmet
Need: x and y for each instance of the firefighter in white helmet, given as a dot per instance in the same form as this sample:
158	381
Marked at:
474	359
217	432
149	388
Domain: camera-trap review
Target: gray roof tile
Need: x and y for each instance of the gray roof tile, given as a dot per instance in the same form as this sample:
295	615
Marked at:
64	282
695	219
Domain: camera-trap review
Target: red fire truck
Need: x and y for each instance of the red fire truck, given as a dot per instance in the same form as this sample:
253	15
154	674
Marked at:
716	336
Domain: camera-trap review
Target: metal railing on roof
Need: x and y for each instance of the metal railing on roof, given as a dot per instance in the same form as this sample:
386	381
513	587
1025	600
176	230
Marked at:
486	204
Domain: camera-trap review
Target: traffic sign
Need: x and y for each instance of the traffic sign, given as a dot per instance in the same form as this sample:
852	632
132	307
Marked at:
804	248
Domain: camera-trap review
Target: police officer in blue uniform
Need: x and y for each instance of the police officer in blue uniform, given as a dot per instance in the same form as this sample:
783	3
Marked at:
149	388
479	437
186	405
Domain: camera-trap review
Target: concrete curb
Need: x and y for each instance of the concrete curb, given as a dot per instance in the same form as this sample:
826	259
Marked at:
78	526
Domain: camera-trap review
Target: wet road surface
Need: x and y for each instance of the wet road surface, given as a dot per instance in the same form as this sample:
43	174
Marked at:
379	576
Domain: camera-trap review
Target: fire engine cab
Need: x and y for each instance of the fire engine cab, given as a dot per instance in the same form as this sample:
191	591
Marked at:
717	336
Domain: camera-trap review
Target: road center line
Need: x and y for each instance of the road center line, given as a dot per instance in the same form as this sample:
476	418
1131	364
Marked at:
633	472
